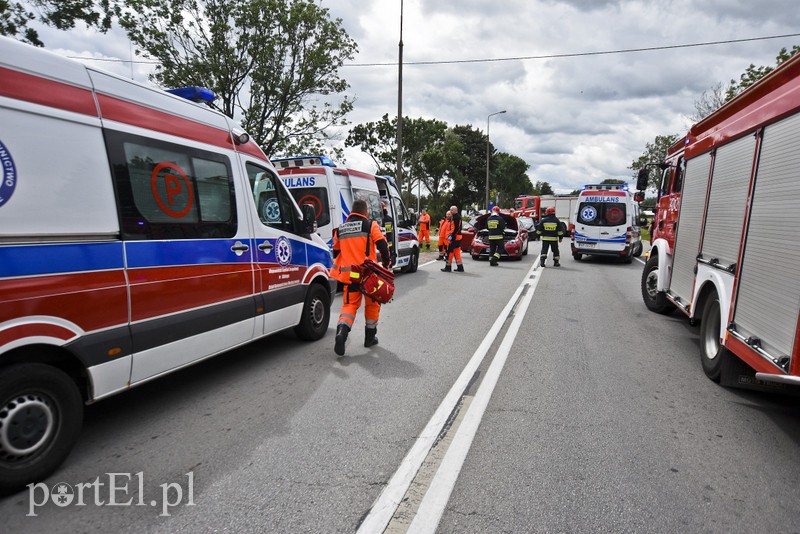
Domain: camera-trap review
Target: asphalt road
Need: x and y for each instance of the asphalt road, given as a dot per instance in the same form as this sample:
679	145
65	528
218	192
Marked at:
601	420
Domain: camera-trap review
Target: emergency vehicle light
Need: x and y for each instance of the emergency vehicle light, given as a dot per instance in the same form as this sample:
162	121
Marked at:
194	93
300	161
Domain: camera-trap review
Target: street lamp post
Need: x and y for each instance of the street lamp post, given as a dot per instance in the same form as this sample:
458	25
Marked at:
487	156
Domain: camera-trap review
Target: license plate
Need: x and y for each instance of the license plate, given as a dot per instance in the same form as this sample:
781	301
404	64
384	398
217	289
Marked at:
585	244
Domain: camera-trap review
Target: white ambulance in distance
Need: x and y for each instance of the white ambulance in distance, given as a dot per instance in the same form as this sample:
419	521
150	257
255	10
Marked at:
316	180
131	245
605	221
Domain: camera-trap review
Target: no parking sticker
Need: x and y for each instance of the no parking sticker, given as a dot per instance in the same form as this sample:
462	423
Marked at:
176	201
9	175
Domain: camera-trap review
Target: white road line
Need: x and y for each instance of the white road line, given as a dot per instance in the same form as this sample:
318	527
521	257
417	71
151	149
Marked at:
427	263
387	502
435	501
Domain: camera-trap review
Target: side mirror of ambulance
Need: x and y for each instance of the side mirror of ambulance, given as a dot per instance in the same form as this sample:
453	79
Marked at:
639	196
309	218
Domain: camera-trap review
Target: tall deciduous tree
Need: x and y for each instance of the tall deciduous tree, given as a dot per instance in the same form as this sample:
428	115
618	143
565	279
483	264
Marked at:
61	14
510	178
470	183
654	154
272	63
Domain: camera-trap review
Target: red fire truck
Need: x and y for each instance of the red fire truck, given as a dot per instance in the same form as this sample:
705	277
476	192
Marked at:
527	206
724	245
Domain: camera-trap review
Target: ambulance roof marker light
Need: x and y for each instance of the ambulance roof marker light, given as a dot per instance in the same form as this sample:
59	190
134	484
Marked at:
194	93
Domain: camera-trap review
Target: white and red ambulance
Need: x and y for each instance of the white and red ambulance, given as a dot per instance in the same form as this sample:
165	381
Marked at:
605	222
140	232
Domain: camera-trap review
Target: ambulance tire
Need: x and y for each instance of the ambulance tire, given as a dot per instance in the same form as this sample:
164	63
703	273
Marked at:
712	353
45	402
577	256
654	300
316	314
627	260
413	263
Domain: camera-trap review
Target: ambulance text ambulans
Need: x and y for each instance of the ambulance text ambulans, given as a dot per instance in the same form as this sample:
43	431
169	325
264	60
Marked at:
140	232
605	222
724	239
316	180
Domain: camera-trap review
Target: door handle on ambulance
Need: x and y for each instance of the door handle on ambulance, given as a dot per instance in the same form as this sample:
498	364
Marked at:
239	248
266	246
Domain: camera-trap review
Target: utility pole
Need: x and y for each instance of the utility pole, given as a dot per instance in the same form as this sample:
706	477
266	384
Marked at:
399	170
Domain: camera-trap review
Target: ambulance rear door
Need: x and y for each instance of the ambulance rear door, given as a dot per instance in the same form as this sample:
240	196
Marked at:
601	220
313	186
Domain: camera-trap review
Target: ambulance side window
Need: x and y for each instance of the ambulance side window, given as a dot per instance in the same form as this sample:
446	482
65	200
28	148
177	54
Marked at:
169	191
272	203
400	211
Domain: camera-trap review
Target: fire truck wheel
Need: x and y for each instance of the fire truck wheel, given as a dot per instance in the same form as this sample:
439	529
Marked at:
316	314
41	412
654	300
712	353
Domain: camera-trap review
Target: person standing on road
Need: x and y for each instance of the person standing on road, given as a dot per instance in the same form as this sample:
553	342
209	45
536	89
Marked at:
353	242
454	242
444	228
496	226
424	229
551	231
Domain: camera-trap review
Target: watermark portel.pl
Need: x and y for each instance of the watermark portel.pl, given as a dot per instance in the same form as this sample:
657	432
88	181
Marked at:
121	489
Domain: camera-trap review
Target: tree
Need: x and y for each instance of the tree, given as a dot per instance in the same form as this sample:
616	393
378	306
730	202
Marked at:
61	14
439	170
654	154
511	179
543	188
274	63
752	73
470	182
379	141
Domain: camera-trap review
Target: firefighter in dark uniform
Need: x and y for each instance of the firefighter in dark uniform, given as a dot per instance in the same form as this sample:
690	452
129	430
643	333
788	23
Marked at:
496	226
551	231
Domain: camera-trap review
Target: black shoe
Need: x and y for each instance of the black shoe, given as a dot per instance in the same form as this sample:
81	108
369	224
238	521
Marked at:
459	269
369	336
440	257
447	269
493	263
541	262
556	264
341	336
428	246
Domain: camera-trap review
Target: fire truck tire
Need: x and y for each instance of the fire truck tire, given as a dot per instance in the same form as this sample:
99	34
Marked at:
654	300
41	413
712	353
316	314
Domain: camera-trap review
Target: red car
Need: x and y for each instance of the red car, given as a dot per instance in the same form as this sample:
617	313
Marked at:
515	239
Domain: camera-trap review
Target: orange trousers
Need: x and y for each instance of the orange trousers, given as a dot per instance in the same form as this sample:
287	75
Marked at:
424	235
352	301
454	252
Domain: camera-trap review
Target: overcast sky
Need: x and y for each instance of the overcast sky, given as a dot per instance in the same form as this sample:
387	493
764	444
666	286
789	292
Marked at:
574	120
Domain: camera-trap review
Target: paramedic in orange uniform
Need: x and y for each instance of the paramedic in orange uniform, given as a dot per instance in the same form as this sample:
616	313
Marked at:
444	226
454	242
353	242
424	229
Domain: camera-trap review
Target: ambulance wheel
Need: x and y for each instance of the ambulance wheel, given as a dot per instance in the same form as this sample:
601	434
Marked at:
316	314
627	260
577	256
712	353
654	300
413	263
41	412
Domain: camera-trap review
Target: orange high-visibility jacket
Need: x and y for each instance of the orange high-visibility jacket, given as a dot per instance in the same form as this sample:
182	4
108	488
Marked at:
424	222
353	242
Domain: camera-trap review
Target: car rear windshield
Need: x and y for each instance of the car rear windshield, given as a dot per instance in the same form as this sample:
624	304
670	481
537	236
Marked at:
602	213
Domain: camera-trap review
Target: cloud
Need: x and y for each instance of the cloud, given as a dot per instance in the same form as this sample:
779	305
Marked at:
572	119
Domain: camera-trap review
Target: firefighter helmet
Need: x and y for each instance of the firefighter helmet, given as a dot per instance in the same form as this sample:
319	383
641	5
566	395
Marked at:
550	211
496	209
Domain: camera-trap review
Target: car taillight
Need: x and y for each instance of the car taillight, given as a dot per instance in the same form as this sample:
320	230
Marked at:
628	235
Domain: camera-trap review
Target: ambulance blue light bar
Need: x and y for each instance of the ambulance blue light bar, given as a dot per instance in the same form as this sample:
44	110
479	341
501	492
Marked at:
593	187
194	93
303	161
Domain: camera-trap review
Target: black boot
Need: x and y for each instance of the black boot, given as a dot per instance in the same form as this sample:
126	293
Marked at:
447	268
428	246
556	264
459	268
369	336
541	261
341	336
